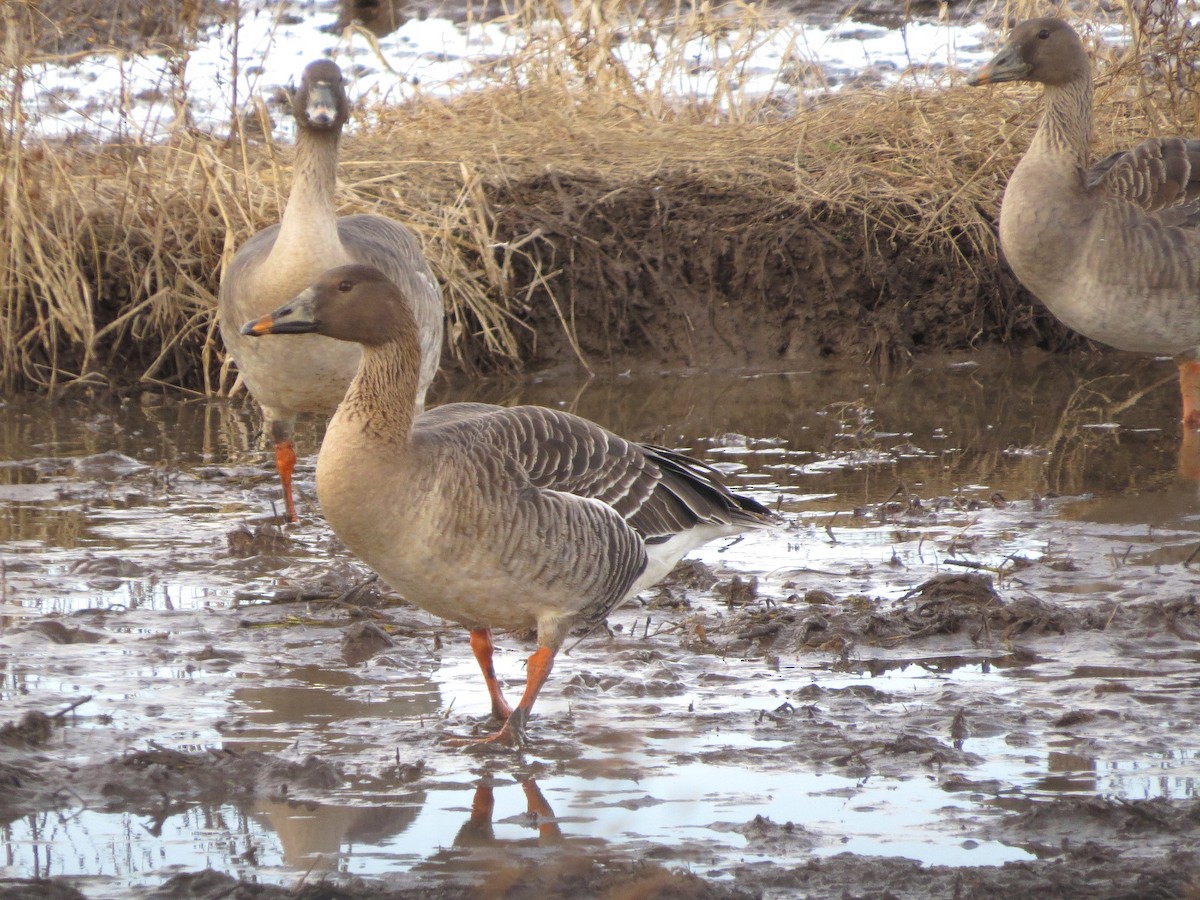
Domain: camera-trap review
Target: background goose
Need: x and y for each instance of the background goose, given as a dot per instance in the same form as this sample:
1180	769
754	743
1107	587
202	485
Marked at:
278	262
493	517
1112	250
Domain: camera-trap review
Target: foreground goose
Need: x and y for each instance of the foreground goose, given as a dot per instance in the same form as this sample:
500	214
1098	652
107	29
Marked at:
493	517
280	261
1112	250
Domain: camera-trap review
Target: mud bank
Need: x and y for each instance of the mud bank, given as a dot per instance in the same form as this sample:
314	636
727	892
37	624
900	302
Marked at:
682	270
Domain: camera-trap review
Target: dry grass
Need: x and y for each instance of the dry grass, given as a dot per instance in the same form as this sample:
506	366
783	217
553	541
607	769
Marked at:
524	198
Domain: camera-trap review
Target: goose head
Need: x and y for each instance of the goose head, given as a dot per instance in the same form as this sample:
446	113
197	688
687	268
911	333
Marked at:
1047	51
349	303
321	102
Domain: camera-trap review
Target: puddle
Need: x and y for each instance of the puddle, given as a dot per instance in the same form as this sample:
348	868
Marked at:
977	632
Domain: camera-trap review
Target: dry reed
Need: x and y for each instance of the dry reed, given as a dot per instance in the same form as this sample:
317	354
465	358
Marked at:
585	185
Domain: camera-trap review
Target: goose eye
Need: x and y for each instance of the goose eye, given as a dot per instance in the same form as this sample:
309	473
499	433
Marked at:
345	286
1043	34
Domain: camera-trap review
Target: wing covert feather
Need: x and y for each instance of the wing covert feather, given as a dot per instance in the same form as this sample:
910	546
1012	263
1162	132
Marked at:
1161	175
659	492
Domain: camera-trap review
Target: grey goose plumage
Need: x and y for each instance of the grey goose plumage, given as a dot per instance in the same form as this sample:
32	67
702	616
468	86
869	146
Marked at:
1112	250
312	375
494	517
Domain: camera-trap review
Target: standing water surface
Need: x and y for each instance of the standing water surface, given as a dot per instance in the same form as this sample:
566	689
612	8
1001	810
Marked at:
212	705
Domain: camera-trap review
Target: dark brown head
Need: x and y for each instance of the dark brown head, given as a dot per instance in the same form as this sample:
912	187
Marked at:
1047	51
350	303
321	103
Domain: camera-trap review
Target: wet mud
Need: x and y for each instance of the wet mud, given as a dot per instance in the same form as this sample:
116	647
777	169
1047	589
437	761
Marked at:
966	666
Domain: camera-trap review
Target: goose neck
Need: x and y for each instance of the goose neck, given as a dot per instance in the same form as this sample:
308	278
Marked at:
310	214
1066	128
381	399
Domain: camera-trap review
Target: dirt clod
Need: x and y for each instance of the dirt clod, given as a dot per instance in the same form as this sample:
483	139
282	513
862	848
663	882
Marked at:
362	640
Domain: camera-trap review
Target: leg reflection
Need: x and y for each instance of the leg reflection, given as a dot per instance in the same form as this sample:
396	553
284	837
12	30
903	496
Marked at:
478	830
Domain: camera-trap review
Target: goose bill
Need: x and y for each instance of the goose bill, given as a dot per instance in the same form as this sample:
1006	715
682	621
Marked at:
1007	65
294	317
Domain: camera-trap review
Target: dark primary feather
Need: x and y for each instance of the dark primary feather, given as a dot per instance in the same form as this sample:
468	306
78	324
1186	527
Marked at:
692	492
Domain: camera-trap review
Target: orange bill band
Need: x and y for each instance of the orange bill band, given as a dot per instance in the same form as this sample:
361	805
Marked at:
259	326
982	76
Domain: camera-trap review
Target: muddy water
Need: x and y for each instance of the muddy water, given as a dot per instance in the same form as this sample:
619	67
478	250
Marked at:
216	701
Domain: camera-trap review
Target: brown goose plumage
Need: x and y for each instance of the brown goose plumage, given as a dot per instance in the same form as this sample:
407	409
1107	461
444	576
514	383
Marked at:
280	261
1112	250
494	517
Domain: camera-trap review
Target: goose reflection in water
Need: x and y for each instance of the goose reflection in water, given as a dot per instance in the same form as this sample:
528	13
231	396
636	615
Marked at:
318	837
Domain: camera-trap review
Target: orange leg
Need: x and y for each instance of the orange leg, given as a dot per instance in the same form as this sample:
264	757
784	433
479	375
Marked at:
1189	455
481	646
537	670
285	463
1189	386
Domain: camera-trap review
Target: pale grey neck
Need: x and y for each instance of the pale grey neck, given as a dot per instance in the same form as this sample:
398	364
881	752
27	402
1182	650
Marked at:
1066	128
309	225
382	396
